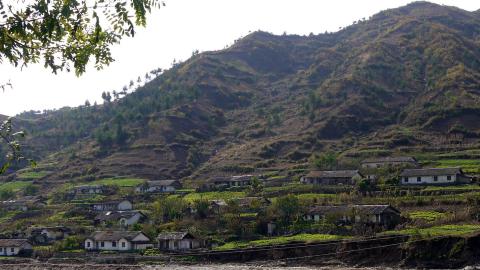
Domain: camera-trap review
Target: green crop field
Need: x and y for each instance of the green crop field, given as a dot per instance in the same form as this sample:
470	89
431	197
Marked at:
32	175
215	195
121	182
14	186
280	240
443	230
426	215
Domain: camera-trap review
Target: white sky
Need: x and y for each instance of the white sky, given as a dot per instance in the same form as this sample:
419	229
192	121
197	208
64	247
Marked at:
174	32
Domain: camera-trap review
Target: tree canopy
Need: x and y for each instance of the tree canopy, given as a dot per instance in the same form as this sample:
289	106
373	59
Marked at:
68	34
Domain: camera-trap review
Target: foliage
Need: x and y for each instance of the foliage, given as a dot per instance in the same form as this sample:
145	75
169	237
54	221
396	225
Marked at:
280	240
67	34
11	141
426	215
325	161
443	230
168	208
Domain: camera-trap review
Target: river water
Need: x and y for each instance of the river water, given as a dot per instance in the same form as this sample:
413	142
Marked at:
41	266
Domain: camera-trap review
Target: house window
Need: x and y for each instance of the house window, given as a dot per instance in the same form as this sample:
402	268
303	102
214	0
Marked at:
102	244
435	178
12	250
449	177
1	249
405	179
88	244
114	244
123	244
419	179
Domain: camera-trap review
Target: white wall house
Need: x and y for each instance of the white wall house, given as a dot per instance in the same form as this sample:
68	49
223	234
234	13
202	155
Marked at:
117	241
179	241
14	247
433	176
120	218
159	186
123	205
389	161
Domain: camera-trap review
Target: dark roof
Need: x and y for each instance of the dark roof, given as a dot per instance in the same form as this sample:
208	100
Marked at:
363	209
333	174
390	159
432	171
13	242
374	209
111	202
174	235
249	200
114	235
116	215
156	183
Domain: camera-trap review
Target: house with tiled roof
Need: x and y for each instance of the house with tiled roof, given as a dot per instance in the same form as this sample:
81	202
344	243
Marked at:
179	241
340	177
389	161
117	241
15	247
434	176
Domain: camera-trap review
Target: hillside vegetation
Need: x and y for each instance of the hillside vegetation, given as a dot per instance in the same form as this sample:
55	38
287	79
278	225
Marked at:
405	80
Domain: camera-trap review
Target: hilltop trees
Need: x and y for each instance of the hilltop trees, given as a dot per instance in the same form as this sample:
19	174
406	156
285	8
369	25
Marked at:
63	35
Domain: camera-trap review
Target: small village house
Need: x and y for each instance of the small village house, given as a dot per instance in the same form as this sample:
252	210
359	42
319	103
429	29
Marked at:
86	191
24	204
253	202
218	206
120	218
159	186
46	235
121	205
179	241
117	241
343	177
233	181
15	247
380	215
379	162
434	176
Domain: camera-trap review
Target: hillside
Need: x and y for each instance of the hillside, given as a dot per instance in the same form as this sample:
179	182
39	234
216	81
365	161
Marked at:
405	80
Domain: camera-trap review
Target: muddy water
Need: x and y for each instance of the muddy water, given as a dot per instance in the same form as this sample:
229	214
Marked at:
167	267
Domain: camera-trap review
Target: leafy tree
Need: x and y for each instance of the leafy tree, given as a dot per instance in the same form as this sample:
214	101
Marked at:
168	209
326	161
6	194
11	140
287	209
202	207
30	190
67	35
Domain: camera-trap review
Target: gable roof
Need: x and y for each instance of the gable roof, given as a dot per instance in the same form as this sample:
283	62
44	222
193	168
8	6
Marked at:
174	235
156	183
111	202
13	242
365	209
114	235
333	174
390	159
432	171
116	215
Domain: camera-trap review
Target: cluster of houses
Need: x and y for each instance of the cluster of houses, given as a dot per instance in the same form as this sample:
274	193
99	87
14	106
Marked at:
411	176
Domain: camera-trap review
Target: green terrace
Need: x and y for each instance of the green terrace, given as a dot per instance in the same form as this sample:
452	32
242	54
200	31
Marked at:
442	230
281	240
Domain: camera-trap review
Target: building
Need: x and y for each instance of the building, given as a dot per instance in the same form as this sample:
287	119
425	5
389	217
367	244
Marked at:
343	177
179	241
379	215
159	186
15	247
253	202
46	235
117	241
389	161
434	176
218	206
120	218
85	192
121	205
27	203
233	181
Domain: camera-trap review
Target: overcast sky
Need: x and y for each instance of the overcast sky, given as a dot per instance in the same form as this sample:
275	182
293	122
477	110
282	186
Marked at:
174	32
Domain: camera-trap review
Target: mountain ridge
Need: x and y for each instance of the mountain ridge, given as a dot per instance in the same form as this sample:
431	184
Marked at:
273	101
